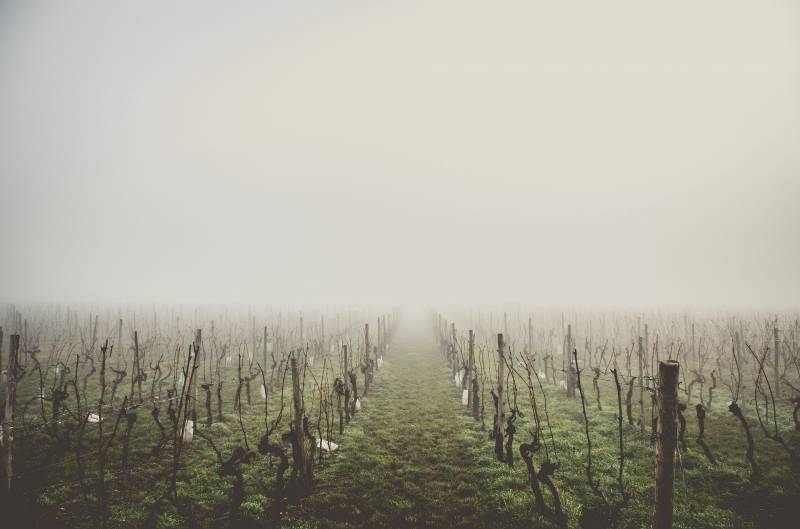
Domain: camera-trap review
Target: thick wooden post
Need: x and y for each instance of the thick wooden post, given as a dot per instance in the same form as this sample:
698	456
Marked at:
297	399
666	442
500	412
470	368
8	414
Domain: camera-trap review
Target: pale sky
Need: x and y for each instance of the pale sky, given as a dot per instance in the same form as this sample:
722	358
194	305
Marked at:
566	152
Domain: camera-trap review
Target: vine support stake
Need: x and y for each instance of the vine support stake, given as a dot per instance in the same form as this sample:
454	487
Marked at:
8	415
499	418
470	368
666	442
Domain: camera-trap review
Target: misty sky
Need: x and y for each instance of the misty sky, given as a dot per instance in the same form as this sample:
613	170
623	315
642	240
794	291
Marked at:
570	152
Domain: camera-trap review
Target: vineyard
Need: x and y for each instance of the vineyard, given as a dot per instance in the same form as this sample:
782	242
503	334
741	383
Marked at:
399	264
168	417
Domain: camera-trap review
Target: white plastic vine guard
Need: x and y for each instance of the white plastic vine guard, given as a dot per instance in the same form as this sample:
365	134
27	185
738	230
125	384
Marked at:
188	431
358	405
465	397
562	384
263	392
327	446
543	375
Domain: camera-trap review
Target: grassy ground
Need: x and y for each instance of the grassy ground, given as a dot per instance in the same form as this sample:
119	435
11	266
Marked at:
408	460
414	457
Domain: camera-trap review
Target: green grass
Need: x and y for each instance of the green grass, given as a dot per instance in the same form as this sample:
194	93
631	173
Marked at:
413	457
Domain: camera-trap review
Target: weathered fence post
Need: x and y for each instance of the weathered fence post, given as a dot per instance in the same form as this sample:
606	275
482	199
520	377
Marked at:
666	442
8	414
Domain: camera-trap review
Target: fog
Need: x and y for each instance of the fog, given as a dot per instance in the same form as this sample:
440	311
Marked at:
618	153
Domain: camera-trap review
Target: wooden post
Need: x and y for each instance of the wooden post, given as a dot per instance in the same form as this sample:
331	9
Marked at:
666	442
198	336
776	363
297	399
346	380
641	386
135	366
119	338
265	349
500	412
375	348
323	341
8	414
646	352
346	369
530	339
366	343
470	368
378	343
302	341
453	342
385	337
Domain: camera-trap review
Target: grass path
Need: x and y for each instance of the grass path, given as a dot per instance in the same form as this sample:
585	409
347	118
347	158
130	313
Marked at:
406	460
